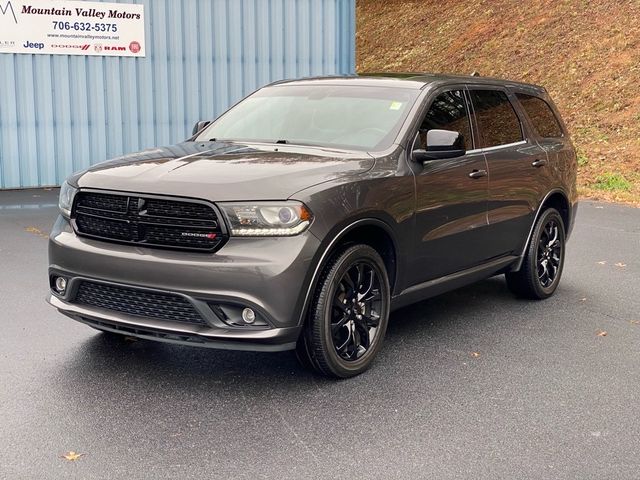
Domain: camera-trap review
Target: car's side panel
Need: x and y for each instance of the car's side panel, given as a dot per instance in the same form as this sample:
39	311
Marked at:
515	188
450	282
451	231
517	182
559	174
451	217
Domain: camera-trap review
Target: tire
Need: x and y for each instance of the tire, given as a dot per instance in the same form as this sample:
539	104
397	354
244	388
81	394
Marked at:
542	266
341	337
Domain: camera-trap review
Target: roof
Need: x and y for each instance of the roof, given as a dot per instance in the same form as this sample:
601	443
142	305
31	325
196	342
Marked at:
415	81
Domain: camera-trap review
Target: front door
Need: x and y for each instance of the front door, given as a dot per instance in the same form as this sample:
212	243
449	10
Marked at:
451	196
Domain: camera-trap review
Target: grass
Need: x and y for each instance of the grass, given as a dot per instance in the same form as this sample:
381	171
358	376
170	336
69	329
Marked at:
584	53
612	182
583	160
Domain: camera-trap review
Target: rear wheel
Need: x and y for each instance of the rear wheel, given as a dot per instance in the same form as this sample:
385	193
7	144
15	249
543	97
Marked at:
348	316
541	268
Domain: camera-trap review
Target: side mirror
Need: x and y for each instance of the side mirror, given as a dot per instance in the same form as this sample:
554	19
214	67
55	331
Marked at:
441	144
201	125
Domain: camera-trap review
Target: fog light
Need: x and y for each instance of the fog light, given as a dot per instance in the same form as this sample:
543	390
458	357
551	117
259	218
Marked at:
248	316
61	284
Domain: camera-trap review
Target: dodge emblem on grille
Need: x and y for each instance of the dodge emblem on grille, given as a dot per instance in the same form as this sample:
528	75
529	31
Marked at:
210	236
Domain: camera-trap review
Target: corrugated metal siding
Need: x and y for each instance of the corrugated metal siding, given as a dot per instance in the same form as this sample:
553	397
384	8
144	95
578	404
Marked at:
59	114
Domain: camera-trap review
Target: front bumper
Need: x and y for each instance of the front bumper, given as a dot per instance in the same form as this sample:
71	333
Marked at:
269	275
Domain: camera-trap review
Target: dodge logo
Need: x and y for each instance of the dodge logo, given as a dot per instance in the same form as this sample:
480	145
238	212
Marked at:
210	236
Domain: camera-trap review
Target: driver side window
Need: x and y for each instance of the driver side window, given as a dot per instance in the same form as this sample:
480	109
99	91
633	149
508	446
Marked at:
447	112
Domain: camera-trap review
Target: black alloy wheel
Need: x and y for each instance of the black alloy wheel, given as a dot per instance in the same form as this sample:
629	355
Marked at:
542	265
549	253
355	315
349	314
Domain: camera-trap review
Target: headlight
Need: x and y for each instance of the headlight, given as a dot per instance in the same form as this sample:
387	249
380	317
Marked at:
67	192
261	219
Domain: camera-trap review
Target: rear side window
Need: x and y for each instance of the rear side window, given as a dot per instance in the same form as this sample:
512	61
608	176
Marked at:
447	112
544	120
497	120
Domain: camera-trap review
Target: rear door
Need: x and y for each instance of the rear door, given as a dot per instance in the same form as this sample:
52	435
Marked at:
549	132
515	163
451	205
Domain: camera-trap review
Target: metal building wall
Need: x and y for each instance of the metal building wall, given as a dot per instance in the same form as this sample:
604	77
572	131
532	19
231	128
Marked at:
59	114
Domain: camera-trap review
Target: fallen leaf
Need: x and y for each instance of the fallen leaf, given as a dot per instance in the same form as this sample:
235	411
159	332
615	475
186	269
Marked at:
72	456
583	299
475	354
602	263
601	333
621	265
36	231
634	322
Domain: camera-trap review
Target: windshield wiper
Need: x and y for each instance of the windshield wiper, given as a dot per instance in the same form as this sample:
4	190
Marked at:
283	142
229	140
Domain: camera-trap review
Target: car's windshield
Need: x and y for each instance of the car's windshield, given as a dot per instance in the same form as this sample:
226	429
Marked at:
352	117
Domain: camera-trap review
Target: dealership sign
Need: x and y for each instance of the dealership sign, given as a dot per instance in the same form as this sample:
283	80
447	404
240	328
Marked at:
72	28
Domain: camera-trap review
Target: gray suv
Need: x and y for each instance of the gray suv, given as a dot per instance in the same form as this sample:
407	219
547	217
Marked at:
301	217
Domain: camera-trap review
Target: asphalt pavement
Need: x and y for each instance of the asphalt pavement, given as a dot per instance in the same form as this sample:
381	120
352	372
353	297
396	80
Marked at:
471	384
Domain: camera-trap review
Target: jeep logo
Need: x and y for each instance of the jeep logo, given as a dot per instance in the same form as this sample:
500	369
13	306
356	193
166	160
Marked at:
38	46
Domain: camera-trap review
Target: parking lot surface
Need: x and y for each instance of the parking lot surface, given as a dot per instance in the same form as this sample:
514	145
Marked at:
471	384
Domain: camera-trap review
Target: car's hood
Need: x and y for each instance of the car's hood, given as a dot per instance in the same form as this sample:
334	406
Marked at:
224	171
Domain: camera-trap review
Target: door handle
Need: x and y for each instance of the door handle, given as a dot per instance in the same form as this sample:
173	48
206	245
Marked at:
539	163
478	174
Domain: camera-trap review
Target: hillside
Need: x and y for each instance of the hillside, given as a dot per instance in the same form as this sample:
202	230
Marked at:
586	53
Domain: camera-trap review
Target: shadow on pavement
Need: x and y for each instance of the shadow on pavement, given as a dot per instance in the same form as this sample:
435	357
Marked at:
116	359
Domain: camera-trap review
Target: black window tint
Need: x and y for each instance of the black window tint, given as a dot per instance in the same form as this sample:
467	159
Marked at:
447	112
541	115
497	120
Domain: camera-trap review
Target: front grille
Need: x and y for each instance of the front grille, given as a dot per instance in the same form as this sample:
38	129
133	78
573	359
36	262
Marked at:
148	220
141	303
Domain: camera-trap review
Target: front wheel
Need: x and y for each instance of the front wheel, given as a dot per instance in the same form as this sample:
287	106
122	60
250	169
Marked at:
542	266
349	314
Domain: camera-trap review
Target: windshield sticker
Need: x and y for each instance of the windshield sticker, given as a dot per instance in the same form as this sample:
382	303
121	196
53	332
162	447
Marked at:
395	106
